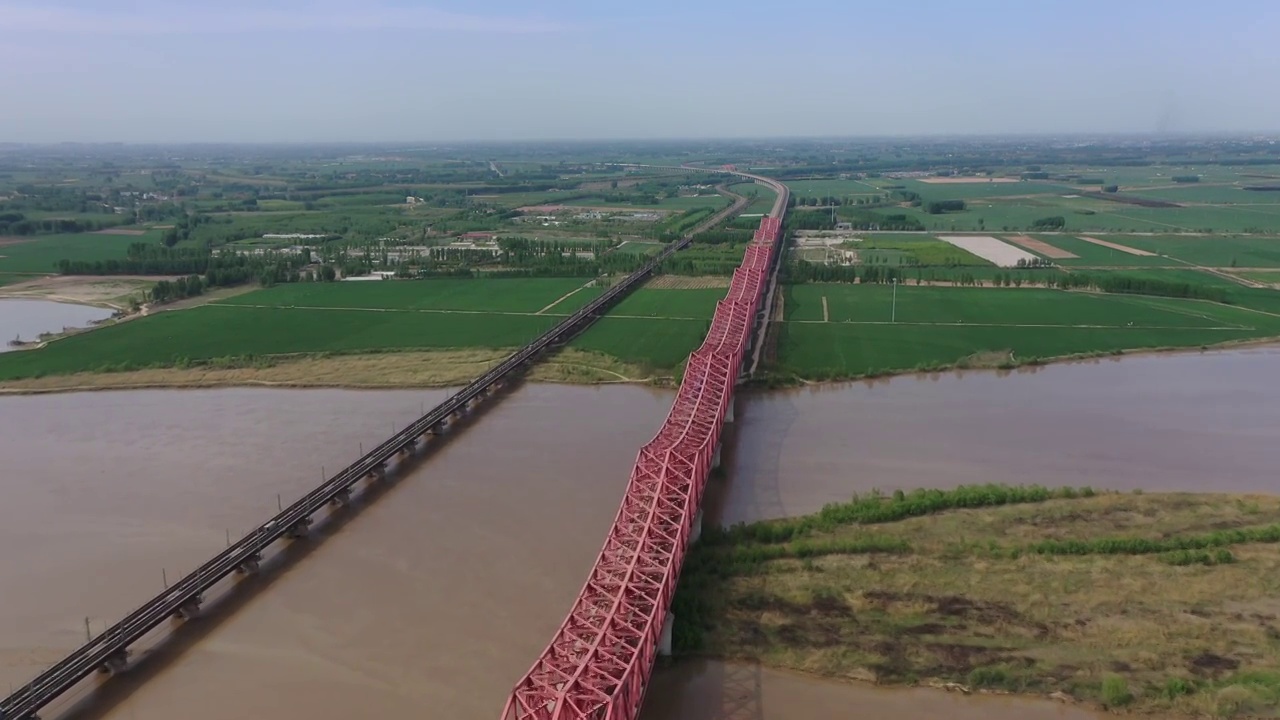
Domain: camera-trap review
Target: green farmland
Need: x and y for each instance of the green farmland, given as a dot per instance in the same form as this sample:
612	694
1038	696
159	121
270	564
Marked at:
654	343
226	331
940	327
656	328
40	253
514	295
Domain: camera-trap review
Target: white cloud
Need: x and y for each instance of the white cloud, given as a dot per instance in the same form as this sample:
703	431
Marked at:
164	19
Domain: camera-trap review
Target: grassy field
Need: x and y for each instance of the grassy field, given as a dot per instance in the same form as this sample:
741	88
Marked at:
635	247
1211	251
765	197
945	326
226	331
656	344
40	253
913	250
836	188
1150	603
1016	206
650	303
250	332
487	296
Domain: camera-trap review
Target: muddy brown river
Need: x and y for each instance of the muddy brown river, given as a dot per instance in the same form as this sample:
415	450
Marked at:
434	597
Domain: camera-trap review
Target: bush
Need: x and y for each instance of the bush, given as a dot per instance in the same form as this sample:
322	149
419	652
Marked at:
1115	692
1175	688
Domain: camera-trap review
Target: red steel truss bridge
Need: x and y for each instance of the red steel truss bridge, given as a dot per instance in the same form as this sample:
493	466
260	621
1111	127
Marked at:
599	662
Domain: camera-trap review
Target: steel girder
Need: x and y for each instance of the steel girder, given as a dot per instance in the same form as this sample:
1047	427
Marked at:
599	662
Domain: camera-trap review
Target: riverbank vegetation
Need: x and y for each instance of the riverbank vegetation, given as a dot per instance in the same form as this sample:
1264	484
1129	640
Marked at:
1146	602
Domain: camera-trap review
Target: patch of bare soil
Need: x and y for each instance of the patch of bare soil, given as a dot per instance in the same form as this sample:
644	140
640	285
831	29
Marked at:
1041	247
14	240
1117	246
112	291
683	282
434	368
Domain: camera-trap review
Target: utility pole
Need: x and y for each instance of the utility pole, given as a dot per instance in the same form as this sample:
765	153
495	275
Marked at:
893	313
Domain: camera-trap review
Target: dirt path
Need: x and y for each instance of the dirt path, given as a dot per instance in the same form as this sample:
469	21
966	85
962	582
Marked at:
564	297
1117	246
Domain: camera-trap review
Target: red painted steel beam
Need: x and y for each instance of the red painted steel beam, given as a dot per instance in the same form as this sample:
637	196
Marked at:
599	661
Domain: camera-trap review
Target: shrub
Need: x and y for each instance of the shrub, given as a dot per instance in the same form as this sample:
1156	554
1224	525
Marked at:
1115	692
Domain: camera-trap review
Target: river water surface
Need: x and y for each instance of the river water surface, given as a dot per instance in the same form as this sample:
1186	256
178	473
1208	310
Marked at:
438	595
26	319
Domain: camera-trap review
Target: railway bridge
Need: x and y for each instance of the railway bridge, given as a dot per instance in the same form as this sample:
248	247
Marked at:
680	450
599	663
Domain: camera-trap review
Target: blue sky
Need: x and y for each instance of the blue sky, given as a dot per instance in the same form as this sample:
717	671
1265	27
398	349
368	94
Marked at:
372	70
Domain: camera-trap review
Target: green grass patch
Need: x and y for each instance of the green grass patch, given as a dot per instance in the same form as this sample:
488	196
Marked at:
221	331
469	295
42	252
663	303
653	344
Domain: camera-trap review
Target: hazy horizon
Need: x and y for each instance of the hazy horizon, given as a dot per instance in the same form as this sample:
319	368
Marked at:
339	71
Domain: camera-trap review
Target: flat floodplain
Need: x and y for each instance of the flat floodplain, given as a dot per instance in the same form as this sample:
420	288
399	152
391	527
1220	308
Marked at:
228	331
462	295
41	253
943	326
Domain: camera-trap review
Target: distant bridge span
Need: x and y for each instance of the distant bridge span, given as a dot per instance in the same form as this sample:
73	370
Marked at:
599	663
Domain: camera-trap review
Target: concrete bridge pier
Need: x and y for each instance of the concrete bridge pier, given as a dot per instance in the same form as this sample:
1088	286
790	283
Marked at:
342	498
250	565
729	411
715	460
299	529
114	663
189	609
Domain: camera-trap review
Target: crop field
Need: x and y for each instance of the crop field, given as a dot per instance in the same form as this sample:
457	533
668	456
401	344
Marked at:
765	197
1005	306
1008	207
637	247
227	331
657	343
651	303
506	295
40	253
942	326
1089	254
1210	251
835	188
914	250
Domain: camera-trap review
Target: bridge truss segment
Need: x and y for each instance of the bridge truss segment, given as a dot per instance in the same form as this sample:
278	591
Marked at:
599	662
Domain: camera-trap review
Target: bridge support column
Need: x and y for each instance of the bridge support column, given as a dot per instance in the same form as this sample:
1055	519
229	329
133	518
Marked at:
729	412
299	529
664	641
715	460
189	609
342	498
115	663
250	565
695	532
